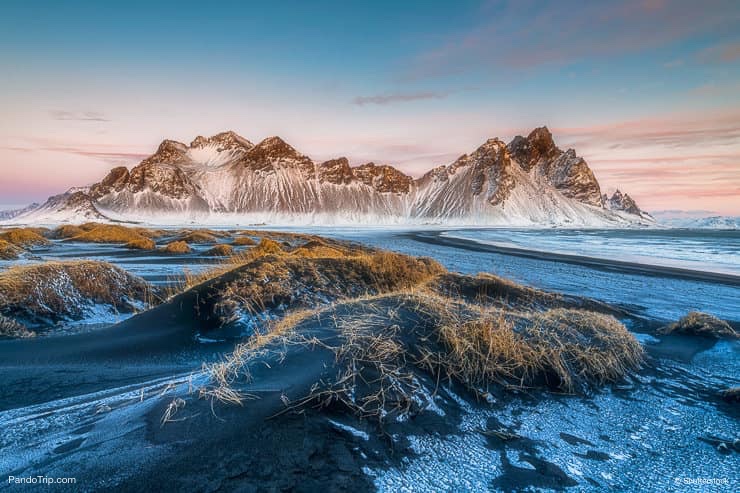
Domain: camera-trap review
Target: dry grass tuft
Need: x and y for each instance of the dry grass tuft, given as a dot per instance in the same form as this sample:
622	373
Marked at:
141	244
9	251
568	350
197	237
221	251
243	241
54	290
109	233
485	288
320	249
701	324
267	246
176	247
24	237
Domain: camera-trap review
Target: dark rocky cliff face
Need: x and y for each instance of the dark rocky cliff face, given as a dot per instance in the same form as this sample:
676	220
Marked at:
273	153
492	173
170	152
336	171
622	202
114	181
567	172
382	178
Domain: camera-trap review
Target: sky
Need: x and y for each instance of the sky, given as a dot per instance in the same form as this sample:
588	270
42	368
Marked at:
647	91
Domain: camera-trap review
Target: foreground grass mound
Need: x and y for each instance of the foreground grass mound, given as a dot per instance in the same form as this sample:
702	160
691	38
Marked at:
221	251
388	329
24	237
243	241
9	251
202	236
112	233
141	244
52	291
701	324
176	247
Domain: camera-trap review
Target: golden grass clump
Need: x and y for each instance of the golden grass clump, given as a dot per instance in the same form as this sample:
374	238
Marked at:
109	233
176	247
9	251
267	246
391	271
24	237
319	249
243	241
53	290
559	348
484	288
141	244
198	237
701	324
221	251
583	347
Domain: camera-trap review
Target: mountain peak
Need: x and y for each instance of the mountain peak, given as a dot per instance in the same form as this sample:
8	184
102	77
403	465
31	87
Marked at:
275	147
541	136
274	152
170	152
336	171
227	140
536	147
622	202
383	178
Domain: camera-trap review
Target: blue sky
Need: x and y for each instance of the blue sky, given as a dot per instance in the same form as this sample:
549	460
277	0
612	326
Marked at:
648	91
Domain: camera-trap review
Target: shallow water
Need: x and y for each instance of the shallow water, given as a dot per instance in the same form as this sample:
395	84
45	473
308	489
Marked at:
703	250
659	297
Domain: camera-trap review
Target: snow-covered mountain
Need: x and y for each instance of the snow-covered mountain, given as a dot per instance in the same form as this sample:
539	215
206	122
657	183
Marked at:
624	203
11	213
226	178
710	222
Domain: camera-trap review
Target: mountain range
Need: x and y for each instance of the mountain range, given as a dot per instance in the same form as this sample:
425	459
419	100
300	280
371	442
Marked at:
228	179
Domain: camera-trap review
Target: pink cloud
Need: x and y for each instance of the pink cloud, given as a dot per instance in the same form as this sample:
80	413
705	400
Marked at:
529	34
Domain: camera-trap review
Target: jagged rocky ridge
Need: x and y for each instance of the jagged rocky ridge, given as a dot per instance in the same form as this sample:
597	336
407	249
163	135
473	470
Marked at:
529	181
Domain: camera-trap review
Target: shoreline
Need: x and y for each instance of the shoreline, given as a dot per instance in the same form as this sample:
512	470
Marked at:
437	238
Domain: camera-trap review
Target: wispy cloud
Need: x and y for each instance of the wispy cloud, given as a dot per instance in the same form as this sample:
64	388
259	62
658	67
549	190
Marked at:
383	99
526	34
673	63
80	116
721	53
673	131
95	152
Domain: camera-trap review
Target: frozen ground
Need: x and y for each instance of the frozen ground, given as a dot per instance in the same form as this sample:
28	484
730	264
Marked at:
98	419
